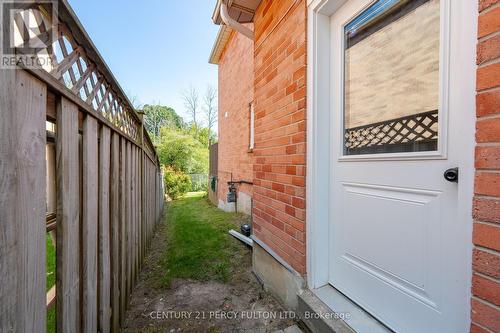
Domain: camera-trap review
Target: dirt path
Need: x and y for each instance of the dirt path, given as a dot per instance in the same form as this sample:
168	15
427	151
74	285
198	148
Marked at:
185	305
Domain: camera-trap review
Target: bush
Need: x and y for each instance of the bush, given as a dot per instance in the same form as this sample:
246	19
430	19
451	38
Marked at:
181	151
177	183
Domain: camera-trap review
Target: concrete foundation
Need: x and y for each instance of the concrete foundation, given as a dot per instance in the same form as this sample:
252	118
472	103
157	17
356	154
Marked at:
226	206
282	281
244	203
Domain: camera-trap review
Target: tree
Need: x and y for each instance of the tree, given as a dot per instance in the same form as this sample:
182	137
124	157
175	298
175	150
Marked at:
136	103
210	109
191	102
158	116
181	151
202	134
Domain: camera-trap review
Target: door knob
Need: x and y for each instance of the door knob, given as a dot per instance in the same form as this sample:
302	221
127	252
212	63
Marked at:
451	175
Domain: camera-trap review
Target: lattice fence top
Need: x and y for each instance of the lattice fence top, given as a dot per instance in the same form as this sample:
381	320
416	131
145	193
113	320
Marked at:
394	135
70	63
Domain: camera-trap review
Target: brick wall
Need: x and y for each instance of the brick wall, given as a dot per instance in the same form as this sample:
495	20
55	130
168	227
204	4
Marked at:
280	125
486	236
235	93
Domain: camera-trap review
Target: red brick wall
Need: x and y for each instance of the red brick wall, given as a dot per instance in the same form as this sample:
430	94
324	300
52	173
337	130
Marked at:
486	236
235	93
280	125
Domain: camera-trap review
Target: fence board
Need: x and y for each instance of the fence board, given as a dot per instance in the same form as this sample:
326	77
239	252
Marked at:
22	185
144	215
137	213
143	200
129	219
141	221
103	195
8	227
115	221
89	224
132	216
139	204
104	260
157	186
68	216
148	194
151	221
31	94
151	195
123	227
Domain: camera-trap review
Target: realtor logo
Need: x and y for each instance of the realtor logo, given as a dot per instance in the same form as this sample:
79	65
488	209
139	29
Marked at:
28	31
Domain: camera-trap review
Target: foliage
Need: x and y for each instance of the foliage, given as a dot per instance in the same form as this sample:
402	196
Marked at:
177	183
181	151
199	182
199	246
158	116
202	135
181	147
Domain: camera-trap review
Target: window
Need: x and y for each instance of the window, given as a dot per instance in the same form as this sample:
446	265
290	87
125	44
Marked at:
252	125
391	78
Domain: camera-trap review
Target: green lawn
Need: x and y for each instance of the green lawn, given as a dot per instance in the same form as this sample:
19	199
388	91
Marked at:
51	280
51	264
199	246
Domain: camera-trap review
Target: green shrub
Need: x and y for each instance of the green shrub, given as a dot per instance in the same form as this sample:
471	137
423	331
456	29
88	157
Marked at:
177	183
181	151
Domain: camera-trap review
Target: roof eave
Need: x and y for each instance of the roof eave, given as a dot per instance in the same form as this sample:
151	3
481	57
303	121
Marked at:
216	14
219	44
225	31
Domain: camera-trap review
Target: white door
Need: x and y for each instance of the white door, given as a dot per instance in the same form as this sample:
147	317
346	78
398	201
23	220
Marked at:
396	97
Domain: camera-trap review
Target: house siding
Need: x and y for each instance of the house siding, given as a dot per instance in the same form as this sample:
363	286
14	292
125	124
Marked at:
485	301
235	93
280	129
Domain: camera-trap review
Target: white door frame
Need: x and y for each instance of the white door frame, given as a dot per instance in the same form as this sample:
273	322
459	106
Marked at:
320	138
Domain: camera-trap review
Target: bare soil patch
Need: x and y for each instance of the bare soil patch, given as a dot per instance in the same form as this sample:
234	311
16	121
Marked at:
188	305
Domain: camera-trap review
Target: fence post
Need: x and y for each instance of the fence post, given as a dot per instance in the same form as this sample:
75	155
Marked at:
89	223
22	202
104	238
115	229
68	219
142	197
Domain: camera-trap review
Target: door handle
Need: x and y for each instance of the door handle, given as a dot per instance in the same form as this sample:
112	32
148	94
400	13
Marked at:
451	175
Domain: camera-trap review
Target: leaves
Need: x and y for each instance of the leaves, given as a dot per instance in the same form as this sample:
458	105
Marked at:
177	183
181	147
158	116
181	151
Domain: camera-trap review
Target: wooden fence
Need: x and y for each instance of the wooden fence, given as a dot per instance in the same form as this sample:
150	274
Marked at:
107	191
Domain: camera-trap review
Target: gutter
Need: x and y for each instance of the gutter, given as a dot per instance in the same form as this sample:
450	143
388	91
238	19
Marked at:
224	14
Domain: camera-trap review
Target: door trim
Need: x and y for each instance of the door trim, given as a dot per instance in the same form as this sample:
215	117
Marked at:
320	138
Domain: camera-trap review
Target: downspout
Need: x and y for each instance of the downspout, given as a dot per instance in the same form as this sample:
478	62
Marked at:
224	14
